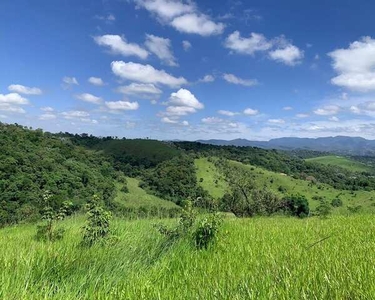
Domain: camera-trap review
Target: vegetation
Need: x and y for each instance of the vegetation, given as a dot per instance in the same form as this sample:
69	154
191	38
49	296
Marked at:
33	161
262	258
343	162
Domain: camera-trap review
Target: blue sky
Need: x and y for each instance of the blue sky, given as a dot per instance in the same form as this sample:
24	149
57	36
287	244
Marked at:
173	69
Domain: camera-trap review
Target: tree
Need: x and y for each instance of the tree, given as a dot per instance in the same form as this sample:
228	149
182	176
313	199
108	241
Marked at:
297	205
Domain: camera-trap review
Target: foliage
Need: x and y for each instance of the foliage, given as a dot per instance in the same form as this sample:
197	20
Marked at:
174	180
97	229
33	161
324	209
48	230
337	202
297	205
207	230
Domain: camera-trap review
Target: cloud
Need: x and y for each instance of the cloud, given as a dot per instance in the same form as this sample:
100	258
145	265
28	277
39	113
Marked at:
119	46
227	113
140	89
186	45
13	98
184	17
256	42
122	105
212	120
11	108
75	114
197	24
279	49
68	82
334	119
179	110
301	116
231	78
108	18
47	116
96	81
161	47
289	55
47	109
169	121
355	65
89	98
327	110
21	89
286	108
145	74
251	112
184	97
207	78
276	121
166	9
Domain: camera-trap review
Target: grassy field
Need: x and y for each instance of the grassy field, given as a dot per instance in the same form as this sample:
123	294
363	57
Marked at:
273	181
138	197
342	162
259	258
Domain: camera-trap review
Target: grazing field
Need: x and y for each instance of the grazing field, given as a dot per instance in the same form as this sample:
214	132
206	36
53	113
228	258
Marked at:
273	181
258	258
137	197
342	162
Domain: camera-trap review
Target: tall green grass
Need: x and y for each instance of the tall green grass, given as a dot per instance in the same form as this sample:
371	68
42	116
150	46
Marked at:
259	258
342	162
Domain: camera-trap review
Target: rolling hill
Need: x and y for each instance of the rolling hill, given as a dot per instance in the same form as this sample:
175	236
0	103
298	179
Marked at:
343	162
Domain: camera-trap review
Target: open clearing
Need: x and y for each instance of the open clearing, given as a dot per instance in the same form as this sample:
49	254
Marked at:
342	162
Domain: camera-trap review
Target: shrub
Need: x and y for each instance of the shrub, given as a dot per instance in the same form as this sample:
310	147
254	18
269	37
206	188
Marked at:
97	228
125	189
48	230
354	208
297	205
323	209
336	202
207	230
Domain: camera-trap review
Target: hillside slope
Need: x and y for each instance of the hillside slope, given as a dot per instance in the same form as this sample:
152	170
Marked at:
342	162
282	184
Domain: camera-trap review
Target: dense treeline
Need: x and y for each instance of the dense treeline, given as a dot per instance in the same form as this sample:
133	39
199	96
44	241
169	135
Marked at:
33	161
282	162
130	156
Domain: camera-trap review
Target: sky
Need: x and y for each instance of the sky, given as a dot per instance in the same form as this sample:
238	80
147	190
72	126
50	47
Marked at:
187	70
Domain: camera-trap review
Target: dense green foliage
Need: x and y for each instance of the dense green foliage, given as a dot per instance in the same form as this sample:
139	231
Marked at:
33	161
174	180
282	162
129	156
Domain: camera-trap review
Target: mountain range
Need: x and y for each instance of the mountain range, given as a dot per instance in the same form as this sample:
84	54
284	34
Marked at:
343	145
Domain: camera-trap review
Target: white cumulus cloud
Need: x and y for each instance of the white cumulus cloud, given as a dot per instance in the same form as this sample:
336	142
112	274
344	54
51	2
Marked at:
122	105
327	110
145	73
231	78
141	89
96	81
247	45
251	112
198	24
89	98
119	45
184	97
21	89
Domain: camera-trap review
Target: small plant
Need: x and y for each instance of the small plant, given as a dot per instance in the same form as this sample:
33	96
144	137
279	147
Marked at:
125	189
354	208
207	230
97	228
48	230
323	209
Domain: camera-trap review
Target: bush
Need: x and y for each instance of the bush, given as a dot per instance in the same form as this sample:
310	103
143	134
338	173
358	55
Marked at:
297	205
206	231
125	189
336	202
323	209
97	228
48	230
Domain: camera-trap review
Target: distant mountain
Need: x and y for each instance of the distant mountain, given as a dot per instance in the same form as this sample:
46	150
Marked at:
340	144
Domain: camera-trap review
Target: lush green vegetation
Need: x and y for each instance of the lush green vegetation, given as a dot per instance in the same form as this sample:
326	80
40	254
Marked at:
260	258
33	161
282	184
342	162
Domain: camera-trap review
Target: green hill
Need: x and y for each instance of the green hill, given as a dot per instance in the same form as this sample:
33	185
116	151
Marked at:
342	162
282	184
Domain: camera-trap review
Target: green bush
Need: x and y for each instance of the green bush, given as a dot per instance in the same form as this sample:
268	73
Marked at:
297	205
336	202
323	209
97	229
207	230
